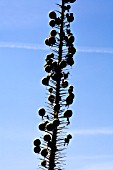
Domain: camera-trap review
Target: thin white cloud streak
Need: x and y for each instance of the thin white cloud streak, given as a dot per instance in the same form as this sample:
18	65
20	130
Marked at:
97	131
92	162
29	46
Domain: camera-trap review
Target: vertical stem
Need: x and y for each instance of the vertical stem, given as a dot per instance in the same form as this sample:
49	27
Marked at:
54	136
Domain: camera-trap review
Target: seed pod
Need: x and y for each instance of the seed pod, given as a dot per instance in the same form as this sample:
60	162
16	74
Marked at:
68	113
48	68
72	50
70	18
52	22
70	89
47	42
64	83
53	33
58	21
37	149
49	62
50	90
69	136
42	126
52	40
49	126
41	112
44	152
71	39
66	75
56	122
68	7
49	56
37	142
62	64
56	107
47	137
45	81
52	14
72	1
70	61
51	98
69	100
43	163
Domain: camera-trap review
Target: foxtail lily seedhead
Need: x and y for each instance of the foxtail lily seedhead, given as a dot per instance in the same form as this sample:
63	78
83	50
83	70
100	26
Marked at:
56	116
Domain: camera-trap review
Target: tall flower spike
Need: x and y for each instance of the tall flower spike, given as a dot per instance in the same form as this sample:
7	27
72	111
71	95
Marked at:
56	117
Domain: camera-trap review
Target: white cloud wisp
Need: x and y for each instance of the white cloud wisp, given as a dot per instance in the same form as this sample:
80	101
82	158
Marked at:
29	46
96	131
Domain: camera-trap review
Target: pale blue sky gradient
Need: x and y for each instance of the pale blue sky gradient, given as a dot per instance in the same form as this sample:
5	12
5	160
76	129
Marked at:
23	28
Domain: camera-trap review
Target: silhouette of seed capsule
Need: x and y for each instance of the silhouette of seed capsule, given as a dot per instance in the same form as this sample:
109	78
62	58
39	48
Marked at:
56	107
66	1
69	55
49	62
72	1
68	7
72	50
37	142
47	137
47	41
66	38
49	126
56	122
69	100
37	149
52	40
51	98
42	126
50	90
71	39
41	112
49	56
69	136
48	68
68	31
66	75
43	163
64	83
68	113
53	33
71	95
52	23
66	141
45	81
70	18
54	77
44	152
70	89
52	14
58	21
62	64
70	61
54	64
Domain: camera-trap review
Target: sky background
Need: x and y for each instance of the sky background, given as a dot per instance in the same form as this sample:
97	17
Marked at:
23	28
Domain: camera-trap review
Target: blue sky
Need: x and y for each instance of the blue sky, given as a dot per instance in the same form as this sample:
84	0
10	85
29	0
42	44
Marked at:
23	28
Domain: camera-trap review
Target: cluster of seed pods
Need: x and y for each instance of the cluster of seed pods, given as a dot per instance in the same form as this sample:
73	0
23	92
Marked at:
56	115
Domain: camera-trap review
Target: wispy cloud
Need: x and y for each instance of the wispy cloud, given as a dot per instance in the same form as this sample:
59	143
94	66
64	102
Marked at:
96	131
22	46
92	162
95	50
29	46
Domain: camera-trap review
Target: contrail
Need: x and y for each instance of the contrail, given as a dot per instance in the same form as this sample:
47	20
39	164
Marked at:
22	46
29	46
96	131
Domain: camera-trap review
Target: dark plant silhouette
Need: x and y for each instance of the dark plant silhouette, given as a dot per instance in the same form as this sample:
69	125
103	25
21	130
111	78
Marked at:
56	117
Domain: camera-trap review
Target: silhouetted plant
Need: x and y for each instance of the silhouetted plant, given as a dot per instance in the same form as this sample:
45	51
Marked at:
56	117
